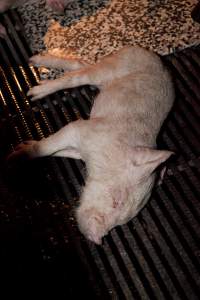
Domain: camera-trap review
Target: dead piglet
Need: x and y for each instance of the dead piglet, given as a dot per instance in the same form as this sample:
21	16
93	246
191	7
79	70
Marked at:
118	142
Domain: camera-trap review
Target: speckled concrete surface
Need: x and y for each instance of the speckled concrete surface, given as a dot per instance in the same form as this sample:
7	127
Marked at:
94	28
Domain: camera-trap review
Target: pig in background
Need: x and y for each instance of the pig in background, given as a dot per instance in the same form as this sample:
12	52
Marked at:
7	4
118	142
58	5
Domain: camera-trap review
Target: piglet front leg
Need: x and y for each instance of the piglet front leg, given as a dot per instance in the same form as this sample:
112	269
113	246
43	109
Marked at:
57	5
65	142
69	80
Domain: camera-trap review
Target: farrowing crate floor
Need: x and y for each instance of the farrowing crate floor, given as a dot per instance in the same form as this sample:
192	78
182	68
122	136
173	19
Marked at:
42	254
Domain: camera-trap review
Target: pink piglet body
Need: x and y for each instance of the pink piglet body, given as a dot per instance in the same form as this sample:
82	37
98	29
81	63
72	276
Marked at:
118	142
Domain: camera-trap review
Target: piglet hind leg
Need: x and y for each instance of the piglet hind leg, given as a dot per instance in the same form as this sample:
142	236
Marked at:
75	77
65	142
98	74
53	61
69	80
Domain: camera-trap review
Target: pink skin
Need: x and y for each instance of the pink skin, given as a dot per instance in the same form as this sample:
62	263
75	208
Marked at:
118	141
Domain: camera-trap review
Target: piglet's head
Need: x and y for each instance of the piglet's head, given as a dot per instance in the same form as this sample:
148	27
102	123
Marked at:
134	190
106	204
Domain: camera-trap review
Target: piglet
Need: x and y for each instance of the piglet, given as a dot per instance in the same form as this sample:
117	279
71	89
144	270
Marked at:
118	142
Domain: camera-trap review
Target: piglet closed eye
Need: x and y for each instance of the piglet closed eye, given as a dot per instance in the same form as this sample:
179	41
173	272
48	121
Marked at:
118	142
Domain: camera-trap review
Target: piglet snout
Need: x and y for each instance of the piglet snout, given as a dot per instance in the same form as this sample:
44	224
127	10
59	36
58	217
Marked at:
92	224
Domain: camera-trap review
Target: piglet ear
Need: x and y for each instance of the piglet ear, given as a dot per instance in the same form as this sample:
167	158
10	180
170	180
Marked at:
149	158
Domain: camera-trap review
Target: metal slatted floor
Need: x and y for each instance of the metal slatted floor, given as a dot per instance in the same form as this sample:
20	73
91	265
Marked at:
155	256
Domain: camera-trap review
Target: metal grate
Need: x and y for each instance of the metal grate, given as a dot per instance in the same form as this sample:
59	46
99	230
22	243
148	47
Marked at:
156	255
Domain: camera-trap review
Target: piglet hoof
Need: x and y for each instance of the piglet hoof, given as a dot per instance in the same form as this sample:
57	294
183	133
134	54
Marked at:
25	150
40	91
